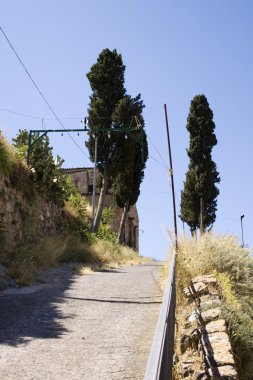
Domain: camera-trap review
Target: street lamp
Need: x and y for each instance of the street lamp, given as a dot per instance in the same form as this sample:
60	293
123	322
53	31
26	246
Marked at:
242	216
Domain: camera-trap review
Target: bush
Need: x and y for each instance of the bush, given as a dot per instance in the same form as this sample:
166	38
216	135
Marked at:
78	204
105	232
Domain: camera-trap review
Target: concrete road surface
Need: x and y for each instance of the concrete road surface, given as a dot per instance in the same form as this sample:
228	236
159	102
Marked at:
97	326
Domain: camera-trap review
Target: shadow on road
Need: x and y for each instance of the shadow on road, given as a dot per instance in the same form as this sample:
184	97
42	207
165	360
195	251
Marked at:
114	301
37	315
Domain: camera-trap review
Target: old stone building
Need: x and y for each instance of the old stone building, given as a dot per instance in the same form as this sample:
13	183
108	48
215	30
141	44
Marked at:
83	180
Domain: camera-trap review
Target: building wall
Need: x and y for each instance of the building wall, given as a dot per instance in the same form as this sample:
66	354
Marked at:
83	180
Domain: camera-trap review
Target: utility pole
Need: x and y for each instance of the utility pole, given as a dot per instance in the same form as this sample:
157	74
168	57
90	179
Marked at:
94	184
242	216
181	203
172	177
201	222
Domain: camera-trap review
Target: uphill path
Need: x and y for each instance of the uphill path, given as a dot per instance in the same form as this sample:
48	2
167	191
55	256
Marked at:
70	327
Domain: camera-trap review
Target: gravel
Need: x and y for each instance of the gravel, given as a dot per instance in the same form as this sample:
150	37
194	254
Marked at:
97	326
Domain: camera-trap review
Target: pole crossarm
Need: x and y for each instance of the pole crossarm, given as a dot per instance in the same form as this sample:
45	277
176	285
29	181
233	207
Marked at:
43	132
138	140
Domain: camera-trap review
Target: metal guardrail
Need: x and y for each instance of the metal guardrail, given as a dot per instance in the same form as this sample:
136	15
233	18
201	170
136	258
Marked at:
160	360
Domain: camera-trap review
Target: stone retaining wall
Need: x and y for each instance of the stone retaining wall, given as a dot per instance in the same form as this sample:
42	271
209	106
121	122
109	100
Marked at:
27	219
206	352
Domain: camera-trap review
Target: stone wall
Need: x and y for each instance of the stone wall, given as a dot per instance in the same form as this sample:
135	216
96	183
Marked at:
205	351
27	218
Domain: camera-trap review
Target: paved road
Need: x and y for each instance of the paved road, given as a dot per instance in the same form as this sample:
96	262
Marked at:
97	326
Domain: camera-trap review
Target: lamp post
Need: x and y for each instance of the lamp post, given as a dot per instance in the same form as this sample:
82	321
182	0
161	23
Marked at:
242	216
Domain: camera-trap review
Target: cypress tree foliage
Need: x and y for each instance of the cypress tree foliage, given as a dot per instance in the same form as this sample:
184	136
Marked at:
199	203
126	184
106	79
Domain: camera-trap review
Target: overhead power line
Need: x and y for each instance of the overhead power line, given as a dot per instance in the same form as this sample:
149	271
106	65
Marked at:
62	118
39	91
22	114
159	154
158	162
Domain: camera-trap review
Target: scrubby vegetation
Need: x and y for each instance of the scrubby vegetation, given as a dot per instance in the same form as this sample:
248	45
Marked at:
43	182
233	266
26	259
6	156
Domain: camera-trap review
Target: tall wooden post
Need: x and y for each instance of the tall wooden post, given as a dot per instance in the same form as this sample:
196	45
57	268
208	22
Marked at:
201	216
94	184
172	176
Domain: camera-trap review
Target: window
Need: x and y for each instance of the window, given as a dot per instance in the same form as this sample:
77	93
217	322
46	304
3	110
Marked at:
90	189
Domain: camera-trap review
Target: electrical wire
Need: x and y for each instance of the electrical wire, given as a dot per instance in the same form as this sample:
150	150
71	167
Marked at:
62	118
157	151
162	164
52	110
21	114
39	91
158	162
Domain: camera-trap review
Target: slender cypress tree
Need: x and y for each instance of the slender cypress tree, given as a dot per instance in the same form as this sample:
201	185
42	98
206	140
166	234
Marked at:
199	197
126	184
106	79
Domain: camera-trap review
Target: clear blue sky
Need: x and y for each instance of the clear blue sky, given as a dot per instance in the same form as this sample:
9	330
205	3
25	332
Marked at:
172	50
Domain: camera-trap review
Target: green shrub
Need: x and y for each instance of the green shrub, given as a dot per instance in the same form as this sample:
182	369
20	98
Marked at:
107	215
79	204
105	233
240	328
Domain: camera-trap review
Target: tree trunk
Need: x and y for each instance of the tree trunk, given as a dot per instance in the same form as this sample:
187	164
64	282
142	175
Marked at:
101	200
122	224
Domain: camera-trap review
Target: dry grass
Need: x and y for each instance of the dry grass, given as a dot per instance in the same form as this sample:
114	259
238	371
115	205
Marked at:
26	259
165	270
70	211
220	253
89	209
82	270
223	256
7	156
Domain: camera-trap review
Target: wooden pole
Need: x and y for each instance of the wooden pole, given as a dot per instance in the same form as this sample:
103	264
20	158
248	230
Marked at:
181	206
201	222
94	185
172	176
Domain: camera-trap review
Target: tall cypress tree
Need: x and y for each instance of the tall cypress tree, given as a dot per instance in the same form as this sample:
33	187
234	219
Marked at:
132	160
199	197
106	79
